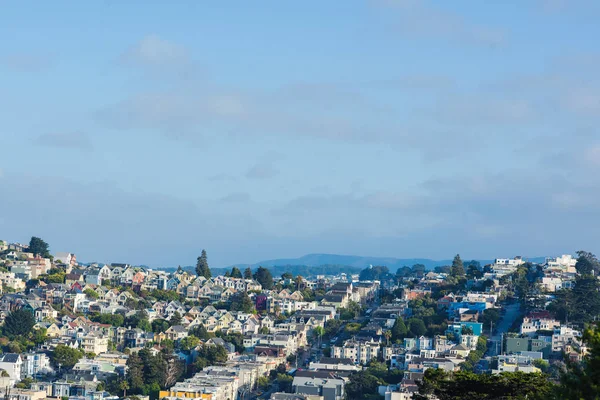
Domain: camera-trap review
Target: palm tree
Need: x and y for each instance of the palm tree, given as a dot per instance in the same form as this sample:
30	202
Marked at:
318	332
124	386
388	335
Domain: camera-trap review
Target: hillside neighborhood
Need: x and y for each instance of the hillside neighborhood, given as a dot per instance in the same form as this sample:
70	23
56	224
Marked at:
93	331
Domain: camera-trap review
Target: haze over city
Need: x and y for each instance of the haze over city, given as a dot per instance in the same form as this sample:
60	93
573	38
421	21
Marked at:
143	132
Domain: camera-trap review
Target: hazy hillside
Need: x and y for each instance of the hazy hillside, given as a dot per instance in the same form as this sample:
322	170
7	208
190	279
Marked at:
315	264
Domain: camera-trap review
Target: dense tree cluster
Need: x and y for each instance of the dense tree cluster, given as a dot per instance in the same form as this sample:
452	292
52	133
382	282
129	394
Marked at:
38	247
147	373
378	273
469	386
264	277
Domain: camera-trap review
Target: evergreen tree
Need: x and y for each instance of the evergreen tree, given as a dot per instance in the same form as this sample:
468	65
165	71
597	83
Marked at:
236	273
264	277
202	268
582	380
135	373
242	302
585	299
416	326
587	263
399	330
458	269
248	273
38	247
19	323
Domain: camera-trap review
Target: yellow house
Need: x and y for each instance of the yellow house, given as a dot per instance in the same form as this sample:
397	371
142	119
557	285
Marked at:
184	395
53	331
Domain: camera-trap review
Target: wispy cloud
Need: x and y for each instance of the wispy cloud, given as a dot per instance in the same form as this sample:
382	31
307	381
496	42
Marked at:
236	197
262	170
420	18
74	140
26	62
157	53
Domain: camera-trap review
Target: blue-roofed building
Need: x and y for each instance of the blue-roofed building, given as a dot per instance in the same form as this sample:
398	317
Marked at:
456	328
473	306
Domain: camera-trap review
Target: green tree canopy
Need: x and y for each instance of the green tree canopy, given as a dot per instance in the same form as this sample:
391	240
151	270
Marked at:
587	263
264	277
582	380
19	323
362	385
242	302
202	268
399	330
458	269
469	386
417	327
38	247
236	273
66	356
248	273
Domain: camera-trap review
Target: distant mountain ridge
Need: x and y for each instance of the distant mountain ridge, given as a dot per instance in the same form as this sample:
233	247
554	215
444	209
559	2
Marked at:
315	260
335	263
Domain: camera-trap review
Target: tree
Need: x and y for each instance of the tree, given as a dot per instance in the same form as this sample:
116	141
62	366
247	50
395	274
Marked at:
200	332
19	323
474	270
418	270
285	382
236	273
211	355
362	385
65	356
248	273
318	332
375	273
388	336
39	336
399	330
466	385
264	330
202	268
263	382
458	269
587	263
582	380
242	302
490	316
287	275
124	386
91	293
403	272
159	325
175	319
38	247
264	277
189	342
416	327
584	302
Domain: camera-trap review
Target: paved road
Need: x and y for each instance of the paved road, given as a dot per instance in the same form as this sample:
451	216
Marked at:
508	319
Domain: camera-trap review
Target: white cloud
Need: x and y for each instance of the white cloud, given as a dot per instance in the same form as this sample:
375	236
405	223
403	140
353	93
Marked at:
155	51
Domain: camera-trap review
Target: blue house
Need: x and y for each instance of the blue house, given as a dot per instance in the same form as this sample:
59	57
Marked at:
456	328
475	306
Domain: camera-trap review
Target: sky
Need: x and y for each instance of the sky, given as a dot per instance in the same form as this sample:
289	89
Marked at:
146	131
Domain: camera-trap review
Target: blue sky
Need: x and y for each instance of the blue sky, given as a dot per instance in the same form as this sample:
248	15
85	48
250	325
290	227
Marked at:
143	132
